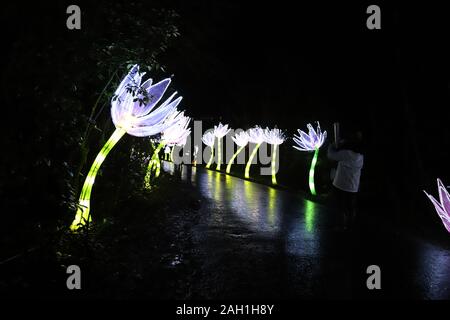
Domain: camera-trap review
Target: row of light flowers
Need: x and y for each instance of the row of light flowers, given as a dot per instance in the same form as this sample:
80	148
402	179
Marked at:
311	141
133	111
307	142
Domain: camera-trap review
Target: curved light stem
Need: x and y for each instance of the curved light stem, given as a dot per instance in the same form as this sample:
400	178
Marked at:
274	166
84	203
153	164
219	153
234	157
158	166
211	158
312	187
171	153
249	163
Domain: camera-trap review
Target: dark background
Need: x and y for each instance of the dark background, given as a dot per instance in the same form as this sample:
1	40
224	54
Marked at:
275	63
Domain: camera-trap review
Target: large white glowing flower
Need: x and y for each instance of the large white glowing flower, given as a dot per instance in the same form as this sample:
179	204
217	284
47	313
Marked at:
274	136
241	138
208	139
256	135
221	130
311	141
178	131
133	105
443	205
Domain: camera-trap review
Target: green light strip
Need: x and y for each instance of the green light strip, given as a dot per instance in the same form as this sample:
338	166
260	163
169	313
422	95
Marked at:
274	159
153	164
83	215
232	159
158	166
249	163
219	154
312	187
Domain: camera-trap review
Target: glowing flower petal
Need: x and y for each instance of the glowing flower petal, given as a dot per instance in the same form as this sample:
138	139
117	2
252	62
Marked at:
311	141
154	94
274	136
208	139
241	138
128	111
256	135
221	130
443	205
177	133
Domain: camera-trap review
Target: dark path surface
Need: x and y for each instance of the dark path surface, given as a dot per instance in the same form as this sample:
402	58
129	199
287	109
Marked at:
254	241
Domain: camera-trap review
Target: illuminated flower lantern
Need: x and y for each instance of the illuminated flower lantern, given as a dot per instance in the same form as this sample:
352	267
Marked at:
256	136
181	143
443	205
208	139
132	111
274	137
241	139
220	131
175	134
311	142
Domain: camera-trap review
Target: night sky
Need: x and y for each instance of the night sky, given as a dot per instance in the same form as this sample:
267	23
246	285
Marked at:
307	62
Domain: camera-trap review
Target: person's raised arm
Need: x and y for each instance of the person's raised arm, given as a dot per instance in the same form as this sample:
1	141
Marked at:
334	154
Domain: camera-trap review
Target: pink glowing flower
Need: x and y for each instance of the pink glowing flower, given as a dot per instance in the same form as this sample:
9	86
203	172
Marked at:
443	205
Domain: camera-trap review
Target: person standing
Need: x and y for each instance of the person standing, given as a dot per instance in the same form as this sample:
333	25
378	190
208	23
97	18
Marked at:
350	160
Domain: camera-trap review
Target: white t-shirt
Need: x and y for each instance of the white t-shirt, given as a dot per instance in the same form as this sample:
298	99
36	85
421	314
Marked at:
348	172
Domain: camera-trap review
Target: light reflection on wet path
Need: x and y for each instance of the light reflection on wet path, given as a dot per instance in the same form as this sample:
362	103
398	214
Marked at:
258	241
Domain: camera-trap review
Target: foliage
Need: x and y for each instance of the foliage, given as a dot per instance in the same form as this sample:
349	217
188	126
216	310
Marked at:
56	90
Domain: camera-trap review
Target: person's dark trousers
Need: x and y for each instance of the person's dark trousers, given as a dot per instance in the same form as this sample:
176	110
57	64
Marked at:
346	204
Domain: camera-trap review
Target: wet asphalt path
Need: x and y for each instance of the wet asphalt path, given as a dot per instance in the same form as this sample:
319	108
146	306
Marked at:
255	241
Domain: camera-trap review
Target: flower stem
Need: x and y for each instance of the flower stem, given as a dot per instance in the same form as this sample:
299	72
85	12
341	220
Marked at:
211	158
249	163
274	159
312	187
233	157
158	161
83	215
154	162
219	154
